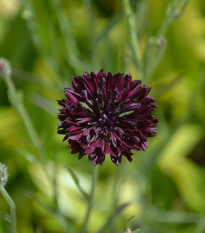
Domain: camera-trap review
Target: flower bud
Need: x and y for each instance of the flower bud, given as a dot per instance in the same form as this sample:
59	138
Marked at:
128	231
3	175
5	69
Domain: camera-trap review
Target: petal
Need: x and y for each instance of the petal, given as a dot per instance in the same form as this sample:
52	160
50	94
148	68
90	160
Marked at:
128	154
76	136
83	120
71	98
88	86
86	99
75	147
74	93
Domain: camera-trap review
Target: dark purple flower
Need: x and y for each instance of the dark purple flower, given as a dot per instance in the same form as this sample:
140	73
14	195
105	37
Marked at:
106	114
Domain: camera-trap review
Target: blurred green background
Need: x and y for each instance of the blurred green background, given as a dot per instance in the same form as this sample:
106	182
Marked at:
49	41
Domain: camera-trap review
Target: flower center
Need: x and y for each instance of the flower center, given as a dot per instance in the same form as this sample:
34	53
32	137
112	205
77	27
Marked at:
105	121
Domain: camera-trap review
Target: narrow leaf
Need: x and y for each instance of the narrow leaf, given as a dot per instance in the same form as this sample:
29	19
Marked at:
76	181
129	221
112	218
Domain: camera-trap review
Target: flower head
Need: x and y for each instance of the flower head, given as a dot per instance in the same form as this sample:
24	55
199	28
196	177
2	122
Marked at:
106	114
3	175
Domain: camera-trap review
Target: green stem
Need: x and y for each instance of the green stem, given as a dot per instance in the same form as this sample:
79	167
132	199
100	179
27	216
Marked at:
133	37
12	208
16	99
90	10
173	12
90	203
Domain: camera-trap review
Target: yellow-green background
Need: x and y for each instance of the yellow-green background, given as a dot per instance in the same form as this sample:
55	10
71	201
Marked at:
49	41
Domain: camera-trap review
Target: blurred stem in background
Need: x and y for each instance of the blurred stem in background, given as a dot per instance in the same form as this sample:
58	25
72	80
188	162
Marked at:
90	10
16	98
3	180
12	209
156	44
174	10
132	24
91	198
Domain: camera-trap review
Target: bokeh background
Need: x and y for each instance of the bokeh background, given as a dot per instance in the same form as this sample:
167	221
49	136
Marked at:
49	41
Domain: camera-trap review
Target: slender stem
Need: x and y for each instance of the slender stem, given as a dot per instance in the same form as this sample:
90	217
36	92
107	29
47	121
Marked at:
12	208
16	100
173	12
133	36
92	17
90	203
